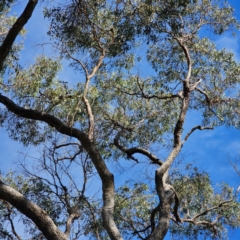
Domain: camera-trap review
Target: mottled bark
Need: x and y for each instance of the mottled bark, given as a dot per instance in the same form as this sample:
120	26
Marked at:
105	175
32	211
28	208
165	192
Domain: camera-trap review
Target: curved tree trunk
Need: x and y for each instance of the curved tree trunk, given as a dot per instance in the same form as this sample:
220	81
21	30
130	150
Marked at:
32	211
105	175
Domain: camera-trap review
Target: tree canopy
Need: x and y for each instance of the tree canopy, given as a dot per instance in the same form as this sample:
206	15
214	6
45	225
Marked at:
114	113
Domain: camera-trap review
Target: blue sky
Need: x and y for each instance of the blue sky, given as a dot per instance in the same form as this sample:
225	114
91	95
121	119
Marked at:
210	150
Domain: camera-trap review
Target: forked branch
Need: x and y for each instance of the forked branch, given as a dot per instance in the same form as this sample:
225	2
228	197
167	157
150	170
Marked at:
105	175
212	225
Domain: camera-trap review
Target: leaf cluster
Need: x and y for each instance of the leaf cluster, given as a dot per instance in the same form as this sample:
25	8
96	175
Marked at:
203	204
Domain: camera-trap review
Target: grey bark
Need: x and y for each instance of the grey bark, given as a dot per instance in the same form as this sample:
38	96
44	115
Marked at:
88	145
32	211
105	175
165	192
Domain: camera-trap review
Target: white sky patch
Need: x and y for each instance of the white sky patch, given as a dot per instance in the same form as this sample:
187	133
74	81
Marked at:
231	44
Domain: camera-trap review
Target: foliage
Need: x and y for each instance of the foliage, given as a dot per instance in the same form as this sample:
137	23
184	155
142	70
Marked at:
6	21
134	203
114	111
37	191
201	202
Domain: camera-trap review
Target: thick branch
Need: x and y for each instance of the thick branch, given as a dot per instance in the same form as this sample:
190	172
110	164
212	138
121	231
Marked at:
186	95
144	152
179	124
69	222
32	211
153	213
195	128
15	30
165	192
105	175
132	151
175	208
85	99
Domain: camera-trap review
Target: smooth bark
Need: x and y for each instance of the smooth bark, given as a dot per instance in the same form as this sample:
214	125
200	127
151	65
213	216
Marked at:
165	192
32	211
15	30
105	175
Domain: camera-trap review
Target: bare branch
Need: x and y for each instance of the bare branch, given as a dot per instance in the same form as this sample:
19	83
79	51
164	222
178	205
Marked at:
211	209
193	129
77	60
235	167
132	151
105	175
12	225
71	158
67	144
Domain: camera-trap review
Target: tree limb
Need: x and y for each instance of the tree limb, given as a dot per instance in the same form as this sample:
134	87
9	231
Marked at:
12	225
162	188
211	209
176	205
105	175
134	150
153	213
32	211
193	129
194	86
211	225
15	30
205	94
69	222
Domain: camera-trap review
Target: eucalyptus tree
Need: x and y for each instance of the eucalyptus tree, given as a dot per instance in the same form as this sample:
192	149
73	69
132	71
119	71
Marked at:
113	110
